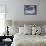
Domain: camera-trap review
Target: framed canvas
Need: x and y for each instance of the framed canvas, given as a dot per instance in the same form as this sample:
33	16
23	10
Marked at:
30	9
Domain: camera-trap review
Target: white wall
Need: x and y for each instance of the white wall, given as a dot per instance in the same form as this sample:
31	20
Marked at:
15	9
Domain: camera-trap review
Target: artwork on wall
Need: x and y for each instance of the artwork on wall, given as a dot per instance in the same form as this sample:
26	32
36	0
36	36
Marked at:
30	9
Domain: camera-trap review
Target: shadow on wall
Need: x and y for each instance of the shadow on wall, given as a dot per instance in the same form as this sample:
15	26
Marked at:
21	23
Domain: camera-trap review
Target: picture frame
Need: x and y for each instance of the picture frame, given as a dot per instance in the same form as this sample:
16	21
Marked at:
30	9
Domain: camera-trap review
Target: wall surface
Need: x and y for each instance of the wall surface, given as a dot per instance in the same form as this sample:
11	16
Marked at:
15	9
